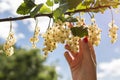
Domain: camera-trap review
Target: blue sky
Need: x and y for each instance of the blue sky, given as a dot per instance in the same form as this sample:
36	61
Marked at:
108	55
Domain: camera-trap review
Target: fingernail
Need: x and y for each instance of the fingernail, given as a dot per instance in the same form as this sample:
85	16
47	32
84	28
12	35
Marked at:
85	40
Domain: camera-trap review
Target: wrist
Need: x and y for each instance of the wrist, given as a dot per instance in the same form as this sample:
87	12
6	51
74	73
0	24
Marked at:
76	75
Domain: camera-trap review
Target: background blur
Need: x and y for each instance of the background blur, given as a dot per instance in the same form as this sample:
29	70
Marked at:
25	65
108	55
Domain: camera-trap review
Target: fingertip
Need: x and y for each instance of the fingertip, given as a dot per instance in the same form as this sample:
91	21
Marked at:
67	55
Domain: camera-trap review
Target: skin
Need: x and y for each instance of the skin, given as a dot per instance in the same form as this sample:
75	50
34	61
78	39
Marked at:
82	63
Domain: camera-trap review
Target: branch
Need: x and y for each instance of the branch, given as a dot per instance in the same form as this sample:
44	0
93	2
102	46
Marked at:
51	14
23	17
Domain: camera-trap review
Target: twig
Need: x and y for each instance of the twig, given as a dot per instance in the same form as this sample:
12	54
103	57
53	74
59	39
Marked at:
23	17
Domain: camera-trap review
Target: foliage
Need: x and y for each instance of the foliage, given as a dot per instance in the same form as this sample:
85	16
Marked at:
67	6
25	65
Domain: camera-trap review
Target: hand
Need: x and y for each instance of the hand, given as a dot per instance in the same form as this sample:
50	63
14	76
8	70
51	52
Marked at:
82	63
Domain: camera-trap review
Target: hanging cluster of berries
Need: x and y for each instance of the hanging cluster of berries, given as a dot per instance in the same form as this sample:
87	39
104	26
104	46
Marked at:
8	46
58	33
94	33
73	43
113	31
35	37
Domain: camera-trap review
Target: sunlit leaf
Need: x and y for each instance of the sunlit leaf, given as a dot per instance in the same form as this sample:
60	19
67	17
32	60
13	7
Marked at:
80	6
45	9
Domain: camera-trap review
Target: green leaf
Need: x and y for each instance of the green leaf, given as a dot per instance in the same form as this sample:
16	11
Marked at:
57	13
45	10
60	11
36	10
25	8
50	2
79	31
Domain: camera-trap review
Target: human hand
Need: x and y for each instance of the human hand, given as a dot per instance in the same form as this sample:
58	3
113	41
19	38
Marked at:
82	63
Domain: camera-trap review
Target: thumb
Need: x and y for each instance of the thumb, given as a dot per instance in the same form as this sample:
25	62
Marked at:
92	53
